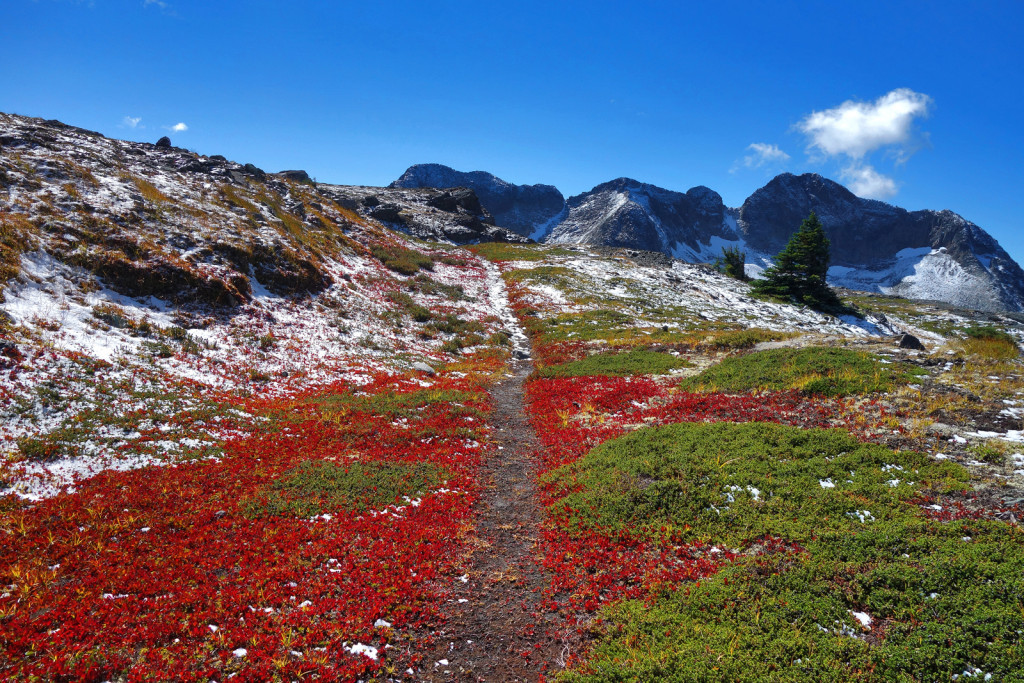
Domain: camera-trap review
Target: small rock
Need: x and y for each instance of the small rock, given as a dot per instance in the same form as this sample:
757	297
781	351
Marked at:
522	355
423	367
164	142
909	341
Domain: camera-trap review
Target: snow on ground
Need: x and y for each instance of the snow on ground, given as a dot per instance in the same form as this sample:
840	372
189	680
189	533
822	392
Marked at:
695	291
287	343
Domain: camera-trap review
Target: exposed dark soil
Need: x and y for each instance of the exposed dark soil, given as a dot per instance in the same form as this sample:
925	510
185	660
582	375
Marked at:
500	632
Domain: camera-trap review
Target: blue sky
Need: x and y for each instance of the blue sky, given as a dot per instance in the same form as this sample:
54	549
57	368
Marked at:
919	103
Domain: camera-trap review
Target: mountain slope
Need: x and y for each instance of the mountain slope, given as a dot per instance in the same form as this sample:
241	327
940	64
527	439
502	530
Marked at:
877	246
529	210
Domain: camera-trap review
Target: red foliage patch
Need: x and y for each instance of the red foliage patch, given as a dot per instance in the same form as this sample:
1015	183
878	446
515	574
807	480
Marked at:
157	574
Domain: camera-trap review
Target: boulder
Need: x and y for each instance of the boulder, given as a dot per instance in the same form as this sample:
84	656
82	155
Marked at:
297	176
910	342
164	143
420	366
254	171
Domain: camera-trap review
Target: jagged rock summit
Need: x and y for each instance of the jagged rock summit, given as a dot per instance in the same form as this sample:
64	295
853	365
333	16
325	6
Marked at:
530	210
628	213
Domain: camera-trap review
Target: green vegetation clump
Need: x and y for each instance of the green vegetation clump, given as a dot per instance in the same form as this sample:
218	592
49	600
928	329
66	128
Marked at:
588	325
989	332
990	342
735	483
825	532
427	285
813	370
635	362
404	404
314	487
559	276
405	303
39	449
744	339
402	260
503	251
800	269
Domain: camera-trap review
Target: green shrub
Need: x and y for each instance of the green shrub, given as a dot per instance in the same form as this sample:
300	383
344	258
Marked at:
503	251
14	236
401	259
813	370
990	342
745	339
989	332
314	487
405	303
635	362
427	285
406	404
943	597
39	449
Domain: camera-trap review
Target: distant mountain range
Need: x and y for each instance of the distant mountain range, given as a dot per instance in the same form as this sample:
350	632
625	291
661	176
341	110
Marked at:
875	246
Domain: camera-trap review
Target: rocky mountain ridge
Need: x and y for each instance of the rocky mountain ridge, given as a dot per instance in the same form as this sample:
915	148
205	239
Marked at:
876	247
530	210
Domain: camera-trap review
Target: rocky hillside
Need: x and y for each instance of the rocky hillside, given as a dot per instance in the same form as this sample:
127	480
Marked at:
530	210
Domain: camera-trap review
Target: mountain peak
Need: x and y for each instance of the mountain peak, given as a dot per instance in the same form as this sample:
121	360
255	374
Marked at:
529	210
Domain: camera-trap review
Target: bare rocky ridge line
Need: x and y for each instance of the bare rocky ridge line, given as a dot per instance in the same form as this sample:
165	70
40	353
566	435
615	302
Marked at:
497	629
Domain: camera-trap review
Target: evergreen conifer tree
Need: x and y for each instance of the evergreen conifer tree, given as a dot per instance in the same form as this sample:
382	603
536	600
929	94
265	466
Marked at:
800	269
733	263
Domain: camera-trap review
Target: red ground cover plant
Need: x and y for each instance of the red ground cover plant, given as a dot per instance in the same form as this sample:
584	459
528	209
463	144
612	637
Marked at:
159	574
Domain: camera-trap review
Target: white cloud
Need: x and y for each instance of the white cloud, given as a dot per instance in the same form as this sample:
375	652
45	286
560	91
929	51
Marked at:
763	154
854	129
865	181
132	121
157	3
179	128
